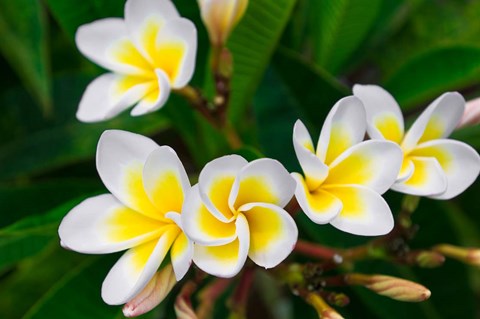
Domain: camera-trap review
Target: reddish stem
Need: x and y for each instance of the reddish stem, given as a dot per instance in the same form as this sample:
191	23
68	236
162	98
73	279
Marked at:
314	250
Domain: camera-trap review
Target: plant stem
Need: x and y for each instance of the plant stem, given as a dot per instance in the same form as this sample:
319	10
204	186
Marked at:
314	250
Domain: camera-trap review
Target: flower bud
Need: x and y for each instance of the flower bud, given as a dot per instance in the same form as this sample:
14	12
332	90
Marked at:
429	259
471	115
220	17
154	293
395	288
183	305
468	255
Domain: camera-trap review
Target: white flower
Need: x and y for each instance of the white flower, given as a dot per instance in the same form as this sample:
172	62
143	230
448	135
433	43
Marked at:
148	53
345	176
221	16
142	214
433	165
236	211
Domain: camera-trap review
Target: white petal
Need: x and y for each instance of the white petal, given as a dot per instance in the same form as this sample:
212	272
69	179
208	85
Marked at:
427	179
201	225
181	255
459	162
103	100
135	269
384	117
102	224
262	181
106	43
406	171
226	260
165	180
320	206
437	121
215	182
273	233
372	163
314	169
177	50
121	157
364	211
344	127
145	18
155	99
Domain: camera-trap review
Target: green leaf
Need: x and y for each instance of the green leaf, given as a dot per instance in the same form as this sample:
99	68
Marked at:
24	45
339	27
252	44
429	74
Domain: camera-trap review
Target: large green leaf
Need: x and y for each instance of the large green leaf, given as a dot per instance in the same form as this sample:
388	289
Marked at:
24	44
252	45
429	74
339	27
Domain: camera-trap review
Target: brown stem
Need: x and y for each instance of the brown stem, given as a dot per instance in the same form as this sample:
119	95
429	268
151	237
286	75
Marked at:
209	295
240	296
314	250
199	103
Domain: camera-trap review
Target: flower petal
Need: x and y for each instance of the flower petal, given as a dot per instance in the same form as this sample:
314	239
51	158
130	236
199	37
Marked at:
437	121
106	43
262	181
215	183
320	206
144	19
110	94
384	117
364	211
406	171
182	255
201	225
314	169
102	224
176	50
372	163
165	180
121	157
427	179
156	98
135	269
459	162
344	127
226	260
273	233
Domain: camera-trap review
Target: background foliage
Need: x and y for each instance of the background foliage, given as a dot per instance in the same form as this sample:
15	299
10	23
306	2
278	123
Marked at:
293	59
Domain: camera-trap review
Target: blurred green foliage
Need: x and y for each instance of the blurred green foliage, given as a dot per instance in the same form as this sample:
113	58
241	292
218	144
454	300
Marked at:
293	59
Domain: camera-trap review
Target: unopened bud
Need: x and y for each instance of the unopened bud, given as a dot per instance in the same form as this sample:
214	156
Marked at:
183	305
220	17
429	259
323	309
153	294
471	115
468	255
338	299
395	288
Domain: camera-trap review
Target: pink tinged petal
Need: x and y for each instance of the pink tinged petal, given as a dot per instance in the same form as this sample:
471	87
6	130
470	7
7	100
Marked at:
215	184
471	116
165	180
106	43
109	95
344	127
102	224
225	260
153	294
314	169
373	163
144	19
262	181
273	233
459	162
176	51
427	179
437	121
201	225
364	211
156	98
320	206
135	269
121	157
384	117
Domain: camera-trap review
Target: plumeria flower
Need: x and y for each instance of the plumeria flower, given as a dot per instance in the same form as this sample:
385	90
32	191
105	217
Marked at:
344	177
148	53
433	165
236	211
142	214
220	17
